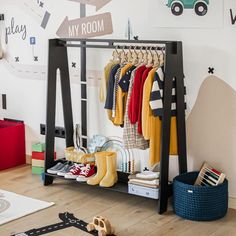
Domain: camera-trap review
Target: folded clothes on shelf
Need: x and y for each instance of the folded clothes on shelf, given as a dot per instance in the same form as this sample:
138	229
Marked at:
134	176
148	175
151	182
146	178
143	185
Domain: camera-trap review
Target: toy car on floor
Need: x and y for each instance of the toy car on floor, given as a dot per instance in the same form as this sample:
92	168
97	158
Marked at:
102	225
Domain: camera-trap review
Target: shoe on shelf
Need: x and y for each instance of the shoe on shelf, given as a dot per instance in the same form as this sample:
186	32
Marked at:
111	176
100	159
74	171
67	167
55	169
86	173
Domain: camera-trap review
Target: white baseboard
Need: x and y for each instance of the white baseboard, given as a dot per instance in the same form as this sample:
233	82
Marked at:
232	203
28	159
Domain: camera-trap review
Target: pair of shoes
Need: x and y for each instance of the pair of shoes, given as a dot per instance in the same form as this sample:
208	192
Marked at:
106	170
81	172
55	169
86	173
60	168
74	172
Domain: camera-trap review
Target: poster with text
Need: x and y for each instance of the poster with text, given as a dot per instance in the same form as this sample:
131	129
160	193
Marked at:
187	13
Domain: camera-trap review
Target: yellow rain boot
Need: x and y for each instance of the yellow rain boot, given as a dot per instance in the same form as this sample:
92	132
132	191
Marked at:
111	176
100	160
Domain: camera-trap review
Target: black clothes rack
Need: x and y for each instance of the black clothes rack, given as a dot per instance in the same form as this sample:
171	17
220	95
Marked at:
58	59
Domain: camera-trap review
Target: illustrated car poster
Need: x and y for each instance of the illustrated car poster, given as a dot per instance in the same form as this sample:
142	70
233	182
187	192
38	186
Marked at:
187	13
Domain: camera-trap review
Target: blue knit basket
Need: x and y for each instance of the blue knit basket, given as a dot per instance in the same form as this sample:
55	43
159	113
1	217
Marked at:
199	203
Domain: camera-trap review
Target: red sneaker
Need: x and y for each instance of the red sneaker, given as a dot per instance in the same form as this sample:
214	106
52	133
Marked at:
75	171
86	173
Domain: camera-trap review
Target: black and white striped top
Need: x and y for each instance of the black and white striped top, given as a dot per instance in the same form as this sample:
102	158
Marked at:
156	97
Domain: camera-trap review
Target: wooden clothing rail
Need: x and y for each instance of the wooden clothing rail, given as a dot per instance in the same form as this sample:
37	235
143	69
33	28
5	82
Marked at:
58	59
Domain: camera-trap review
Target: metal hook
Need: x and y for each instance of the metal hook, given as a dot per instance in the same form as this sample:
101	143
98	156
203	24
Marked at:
116	48
130	49
123	49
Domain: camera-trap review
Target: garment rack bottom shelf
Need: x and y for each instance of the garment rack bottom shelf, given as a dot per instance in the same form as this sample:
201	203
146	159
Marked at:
118	187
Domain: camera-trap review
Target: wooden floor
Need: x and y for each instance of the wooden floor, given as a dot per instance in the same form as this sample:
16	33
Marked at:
131	215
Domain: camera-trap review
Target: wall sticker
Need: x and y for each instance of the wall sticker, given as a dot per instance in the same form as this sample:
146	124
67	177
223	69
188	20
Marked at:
187	13
98	3
14	29
86	27
20	33
179	6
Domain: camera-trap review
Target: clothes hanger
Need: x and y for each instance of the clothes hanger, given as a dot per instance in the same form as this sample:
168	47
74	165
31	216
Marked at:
149	57
115	55
135	56
140	56
156	58
129	55
163	56
123	56
145	56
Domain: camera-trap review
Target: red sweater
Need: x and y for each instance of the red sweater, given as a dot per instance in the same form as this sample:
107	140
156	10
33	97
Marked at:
144	77
133	109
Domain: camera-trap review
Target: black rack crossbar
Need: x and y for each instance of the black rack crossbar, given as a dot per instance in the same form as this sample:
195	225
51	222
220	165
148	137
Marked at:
110	41
119	44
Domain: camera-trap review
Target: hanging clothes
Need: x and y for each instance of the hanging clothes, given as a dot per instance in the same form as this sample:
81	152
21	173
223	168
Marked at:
135	95
156	98
123	83
132	139
134	101
146	111
152	126
104	80
140	105
116	81
125	80
121	99
110	90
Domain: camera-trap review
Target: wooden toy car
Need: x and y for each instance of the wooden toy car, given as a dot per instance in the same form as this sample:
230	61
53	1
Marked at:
102	225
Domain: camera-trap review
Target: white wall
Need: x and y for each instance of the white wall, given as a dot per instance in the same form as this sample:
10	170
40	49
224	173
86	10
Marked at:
26	97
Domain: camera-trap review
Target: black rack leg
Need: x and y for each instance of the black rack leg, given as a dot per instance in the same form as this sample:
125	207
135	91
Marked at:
181	126
57	60
83	79
165	146
51	109
164	164
165	136
66	98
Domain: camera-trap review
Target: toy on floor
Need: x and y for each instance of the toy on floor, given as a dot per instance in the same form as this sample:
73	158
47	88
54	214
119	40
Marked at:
102	225
67	220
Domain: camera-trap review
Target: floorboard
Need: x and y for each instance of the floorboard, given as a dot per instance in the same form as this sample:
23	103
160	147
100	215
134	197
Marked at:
130	215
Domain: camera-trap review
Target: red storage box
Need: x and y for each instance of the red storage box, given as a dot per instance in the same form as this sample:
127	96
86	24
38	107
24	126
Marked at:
41	155
12	144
